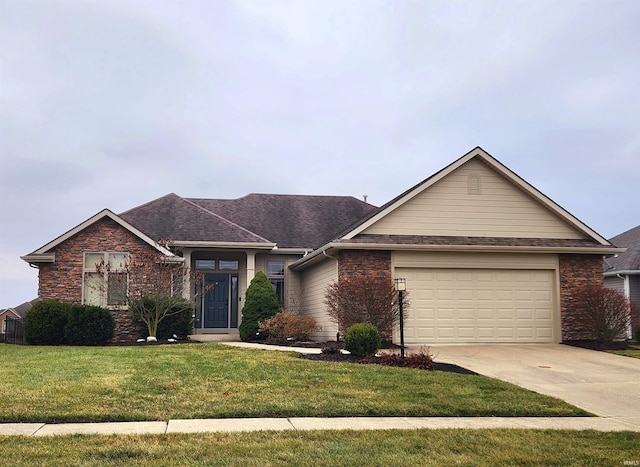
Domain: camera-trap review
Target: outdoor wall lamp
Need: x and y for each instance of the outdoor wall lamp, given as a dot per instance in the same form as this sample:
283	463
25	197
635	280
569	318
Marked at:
401	286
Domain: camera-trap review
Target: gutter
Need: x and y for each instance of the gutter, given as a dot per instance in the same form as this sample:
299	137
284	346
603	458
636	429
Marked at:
628	272
314	256
238	245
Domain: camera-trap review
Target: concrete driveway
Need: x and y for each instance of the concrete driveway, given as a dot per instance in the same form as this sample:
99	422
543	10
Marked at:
604	384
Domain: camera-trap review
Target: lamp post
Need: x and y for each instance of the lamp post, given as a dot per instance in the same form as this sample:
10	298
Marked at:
401	286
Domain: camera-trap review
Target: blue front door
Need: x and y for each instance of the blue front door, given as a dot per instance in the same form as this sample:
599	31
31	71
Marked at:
216	301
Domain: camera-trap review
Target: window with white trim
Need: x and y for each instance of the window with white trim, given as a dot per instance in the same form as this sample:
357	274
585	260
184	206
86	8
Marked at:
275	273
105	279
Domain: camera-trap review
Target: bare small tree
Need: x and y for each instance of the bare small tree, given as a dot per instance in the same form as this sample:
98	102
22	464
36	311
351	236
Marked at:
603	314
364	299
150	283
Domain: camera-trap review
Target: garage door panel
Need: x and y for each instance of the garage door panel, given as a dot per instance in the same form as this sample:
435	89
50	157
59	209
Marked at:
479	305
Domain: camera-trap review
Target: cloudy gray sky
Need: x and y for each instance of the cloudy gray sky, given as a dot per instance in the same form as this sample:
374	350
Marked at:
110	103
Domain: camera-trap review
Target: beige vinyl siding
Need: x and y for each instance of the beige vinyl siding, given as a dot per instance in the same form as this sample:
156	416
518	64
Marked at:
314	283
451	208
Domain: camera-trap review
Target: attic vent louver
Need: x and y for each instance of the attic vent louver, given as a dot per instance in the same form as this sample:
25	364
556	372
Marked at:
473	184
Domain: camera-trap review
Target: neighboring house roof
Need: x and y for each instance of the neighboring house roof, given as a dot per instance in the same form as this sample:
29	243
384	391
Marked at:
20	311
629	261
44	255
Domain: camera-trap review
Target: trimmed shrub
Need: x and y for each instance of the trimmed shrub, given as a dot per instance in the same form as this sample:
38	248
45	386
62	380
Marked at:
362	340
602	314
177	320
45	322
285	326
261	303
89	325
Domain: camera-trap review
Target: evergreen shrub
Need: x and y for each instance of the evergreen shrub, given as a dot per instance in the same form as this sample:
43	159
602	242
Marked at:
261	303
45	322
362	340
89	325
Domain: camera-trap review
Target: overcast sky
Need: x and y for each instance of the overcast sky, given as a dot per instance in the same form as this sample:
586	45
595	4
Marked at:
109	103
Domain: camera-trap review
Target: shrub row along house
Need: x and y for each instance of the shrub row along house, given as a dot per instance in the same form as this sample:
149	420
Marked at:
486	256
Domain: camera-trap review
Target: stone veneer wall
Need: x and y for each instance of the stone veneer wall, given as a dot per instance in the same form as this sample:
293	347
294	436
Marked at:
364	262
576	271
62	280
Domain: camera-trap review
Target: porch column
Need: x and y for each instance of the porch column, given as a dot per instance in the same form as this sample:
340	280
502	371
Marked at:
186	287
251	266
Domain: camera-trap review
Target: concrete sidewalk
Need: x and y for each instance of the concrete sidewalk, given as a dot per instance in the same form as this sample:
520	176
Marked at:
312	423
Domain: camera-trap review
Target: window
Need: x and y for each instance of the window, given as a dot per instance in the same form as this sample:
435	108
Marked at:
228	265
205	264
275	273
106	279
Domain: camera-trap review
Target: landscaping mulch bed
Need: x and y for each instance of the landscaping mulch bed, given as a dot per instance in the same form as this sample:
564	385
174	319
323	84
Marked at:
416	362
339	357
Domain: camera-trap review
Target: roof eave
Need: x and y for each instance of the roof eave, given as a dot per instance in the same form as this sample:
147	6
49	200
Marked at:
37	259
336	246
227	245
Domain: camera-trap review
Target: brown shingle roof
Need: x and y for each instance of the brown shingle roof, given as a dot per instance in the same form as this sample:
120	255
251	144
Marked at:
177	219
290	221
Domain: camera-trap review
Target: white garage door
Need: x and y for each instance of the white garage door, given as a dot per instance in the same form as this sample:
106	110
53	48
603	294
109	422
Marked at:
479	305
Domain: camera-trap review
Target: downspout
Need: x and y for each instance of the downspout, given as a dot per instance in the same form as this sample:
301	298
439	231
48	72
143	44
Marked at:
627	293
324	252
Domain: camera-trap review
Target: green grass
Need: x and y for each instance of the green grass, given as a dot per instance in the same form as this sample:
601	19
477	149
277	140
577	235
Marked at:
81	384
331	448
632	351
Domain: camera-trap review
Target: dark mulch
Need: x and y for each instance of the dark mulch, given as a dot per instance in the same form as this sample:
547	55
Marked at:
339	357
596	345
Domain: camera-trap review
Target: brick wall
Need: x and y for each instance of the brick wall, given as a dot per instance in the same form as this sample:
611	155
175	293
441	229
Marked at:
364	262
62	280
576	271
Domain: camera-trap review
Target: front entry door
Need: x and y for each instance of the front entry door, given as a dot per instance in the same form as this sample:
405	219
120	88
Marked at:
216	301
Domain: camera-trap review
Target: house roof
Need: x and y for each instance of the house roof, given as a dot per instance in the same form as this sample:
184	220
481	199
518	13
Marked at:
629	261
479	154
258	220
44	255
177	219
353	237
291	221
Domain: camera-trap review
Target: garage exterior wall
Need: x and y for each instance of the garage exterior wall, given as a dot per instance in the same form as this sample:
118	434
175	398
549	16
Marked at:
314	282
576	271
569	272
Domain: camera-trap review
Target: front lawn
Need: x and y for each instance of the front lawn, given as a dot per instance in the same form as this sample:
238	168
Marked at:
632	351
80	384
331	448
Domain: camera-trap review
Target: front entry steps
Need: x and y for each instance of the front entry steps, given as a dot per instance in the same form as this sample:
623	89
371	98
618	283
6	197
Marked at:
232	336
